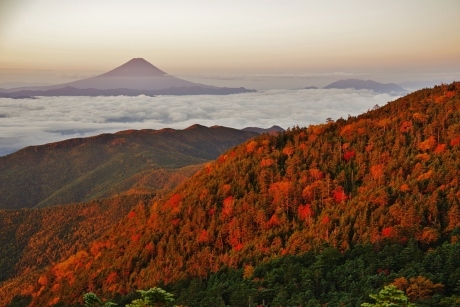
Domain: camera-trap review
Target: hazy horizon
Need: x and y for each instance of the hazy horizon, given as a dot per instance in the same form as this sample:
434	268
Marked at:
49	41
258	81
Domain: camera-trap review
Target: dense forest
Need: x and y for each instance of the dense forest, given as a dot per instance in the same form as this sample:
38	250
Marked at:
325	214
332	277
45	235
84	169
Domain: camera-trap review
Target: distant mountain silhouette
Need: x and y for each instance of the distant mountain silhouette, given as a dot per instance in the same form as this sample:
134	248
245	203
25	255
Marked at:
136	67
136	77
18	95
4	95
272	129
377	87
73	91
310	88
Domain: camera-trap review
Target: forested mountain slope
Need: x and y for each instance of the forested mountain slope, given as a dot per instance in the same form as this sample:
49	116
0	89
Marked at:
389	176
84	169
35	238
32	239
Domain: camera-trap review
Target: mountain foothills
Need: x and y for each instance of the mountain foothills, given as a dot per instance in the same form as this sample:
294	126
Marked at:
135	77
315	216
83	169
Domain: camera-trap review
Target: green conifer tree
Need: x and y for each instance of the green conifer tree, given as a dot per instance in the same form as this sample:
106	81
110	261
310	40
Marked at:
155	297
389	296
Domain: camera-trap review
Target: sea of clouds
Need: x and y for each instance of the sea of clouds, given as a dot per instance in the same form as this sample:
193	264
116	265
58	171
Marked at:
25	122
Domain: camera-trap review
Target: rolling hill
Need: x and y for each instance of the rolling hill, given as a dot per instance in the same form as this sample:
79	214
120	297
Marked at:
79	170
319	215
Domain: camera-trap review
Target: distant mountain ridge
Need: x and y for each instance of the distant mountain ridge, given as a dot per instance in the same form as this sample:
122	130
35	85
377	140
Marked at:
16	95
72	91
136	77
377	87
83	169
272	129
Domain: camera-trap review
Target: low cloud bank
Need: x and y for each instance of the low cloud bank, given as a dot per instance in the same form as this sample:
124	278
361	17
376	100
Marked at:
49	119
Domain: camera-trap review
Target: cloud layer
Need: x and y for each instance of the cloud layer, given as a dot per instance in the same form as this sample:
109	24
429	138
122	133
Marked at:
50	119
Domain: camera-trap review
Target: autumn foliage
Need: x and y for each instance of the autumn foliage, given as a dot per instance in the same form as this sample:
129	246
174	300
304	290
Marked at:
291	193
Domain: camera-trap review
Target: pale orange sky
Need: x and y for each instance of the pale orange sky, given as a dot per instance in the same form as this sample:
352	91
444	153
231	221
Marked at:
212	36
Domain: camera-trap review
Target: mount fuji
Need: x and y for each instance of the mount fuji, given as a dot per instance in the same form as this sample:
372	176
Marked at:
136	77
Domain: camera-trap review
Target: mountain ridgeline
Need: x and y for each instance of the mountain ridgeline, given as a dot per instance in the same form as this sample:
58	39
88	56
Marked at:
377	87
272	129
83	169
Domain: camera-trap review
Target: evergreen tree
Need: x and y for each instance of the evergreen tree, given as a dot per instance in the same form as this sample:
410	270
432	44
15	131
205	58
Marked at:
91	300
389	296
155	297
